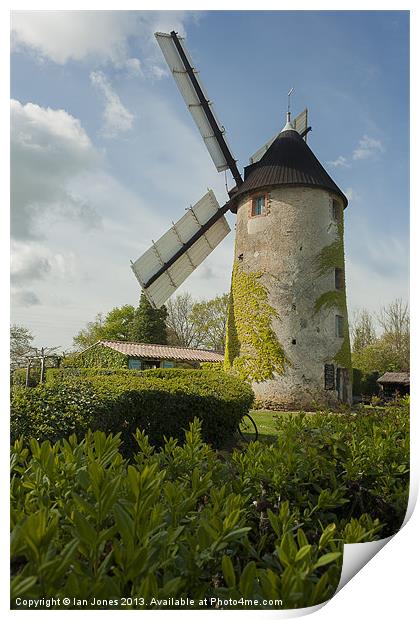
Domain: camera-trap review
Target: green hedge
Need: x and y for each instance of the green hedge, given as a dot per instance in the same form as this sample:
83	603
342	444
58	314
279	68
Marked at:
161	404
55	375
268	522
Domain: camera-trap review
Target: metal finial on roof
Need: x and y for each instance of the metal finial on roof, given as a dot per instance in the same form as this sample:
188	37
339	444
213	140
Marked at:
288	126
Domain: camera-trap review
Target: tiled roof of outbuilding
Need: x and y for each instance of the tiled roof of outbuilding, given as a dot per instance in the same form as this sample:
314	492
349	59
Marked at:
288	161
395	377
161	351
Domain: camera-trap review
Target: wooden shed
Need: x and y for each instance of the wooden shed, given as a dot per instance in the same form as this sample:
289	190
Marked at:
394	383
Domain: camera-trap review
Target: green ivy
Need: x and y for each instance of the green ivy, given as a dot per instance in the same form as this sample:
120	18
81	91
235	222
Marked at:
252	347
332	255
329	258
98	356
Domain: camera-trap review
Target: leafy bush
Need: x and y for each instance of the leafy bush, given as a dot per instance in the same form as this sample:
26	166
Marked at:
364	384
266	523
54	411
19	376
54	375
87	525
217	366
333	466
163	404
58	375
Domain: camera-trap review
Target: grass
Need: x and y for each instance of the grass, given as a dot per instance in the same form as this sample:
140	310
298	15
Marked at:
267	423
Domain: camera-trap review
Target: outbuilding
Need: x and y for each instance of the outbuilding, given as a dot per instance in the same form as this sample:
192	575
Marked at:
142	356
393	383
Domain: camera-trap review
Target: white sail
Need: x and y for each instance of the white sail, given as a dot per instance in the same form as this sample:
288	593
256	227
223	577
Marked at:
172	242
183	81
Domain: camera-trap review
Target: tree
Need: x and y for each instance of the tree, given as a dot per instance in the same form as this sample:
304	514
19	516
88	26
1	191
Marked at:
149	324
90	334
395	322
20	345
362	330
197	324
209	318
181	329
117	325
391	350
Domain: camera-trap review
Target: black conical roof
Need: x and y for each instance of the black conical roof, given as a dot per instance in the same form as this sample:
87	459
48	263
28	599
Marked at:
288	161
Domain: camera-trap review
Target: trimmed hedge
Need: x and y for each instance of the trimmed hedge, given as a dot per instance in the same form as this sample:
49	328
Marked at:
58	375
162	403
54	375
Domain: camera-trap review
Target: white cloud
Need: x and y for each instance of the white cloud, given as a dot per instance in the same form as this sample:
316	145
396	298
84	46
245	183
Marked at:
117	118
133	66
49	148
367	148
33	262
95	36
61	36
340	162
25	299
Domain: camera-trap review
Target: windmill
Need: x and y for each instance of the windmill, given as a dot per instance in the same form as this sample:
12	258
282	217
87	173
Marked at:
287	328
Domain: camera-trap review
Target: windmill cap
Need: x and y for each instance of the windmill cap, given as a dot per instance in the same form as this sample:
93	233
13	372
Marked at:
289	162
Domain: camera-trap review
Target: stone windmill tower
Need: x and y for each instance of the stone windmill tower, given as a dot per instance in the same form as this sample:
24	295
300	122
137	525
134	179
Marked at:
287	330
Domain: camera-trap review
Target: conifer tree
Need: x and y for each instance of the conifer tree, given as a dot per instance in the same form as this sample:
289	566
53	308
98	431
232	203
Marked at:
149	324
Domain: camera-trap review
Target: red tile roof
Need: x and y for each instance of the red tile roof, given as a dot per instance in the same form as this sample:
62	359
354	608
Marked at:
161	351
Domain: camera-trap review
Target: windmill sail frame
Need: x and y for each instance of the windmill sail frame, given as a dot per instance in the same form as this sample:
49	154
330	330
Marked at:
170	260
198	102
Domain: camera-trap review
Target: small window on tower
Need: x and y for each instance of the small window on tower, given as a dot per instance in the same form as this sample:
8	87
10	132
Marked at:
339	278
336	210
258	205
339	326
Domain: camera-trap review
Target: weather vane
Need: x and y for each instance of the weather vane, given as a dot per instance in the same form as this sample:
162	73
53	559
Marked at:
289	94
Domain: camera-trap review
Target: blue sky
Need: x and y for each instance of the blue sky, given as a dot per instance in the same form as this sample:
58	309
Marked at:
105	154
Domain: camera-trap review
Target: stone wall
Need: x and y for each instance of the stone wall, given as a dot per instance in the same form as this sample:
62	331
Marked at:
283	247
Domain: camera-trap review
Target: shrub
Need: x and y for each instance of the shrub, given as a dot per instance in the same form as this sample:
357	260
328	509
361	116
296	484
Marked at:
364	384
58	375
217	366
53	411
163	404
268	522
19	376
170	525
335	466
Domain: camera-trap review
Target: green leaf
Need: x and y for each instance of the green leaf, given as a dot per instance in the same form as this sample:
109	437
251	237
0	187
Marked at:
228	571
326	535
328	558
303	552
274	521
85	530
20	586
246	581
